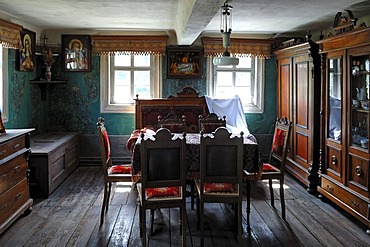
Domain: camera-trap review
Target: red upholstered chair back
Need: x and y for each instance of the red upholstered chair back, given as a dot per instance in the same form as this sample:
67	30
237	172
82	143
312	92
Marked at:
104	143
279	148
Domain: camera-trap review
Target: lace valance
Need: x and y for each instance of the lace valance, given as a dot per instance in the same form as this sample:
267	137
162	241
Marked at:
113	44
239	47
10	36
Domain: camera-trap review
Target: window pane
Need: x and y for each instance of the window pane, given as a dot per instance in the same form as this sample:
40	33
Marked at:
224	92
122	60
142	83
224	79
243	78
141	60
122	87
244	94
122	77
122	94
245	62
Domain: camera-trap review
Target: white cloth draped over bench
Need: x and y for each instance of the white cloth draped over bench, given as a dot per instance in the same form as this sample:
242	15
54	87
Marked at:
233	110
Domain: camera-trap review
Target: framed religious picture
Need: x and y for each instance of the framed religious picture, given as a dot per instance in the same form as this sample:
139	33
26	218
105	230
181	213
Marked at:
26	57
184	63
76	53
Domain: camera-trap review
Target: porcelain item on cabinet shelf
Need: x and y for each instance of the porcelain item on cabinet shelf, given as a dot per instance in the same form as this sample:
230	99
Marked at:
365	104
361	93
364	143
356	103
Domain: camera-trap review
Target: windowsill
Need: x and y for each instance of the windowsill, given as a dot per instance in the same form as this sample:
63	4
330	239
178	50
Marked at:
118	108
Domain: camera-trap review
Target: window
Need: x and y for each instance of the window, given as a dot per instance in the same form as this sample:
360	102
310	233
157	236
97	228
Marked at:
125	76
245	80
4	83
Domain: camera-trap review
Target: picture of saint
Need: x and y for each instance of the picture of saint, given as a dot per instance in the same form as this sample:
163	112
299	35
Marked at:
26	62
76	55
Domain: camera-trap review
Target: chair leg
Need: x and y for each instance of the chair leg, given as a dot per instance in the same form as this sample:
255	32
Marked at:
104	204
192	191
184	224
201	223
198	212
152	221
239	222
282	199
181	219
143	226
271	193
140	221
109	190
248	205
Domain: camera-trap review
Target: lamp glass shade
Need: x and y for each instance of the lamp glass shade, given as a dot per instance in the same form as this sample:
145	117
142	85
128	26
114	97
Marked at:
225	61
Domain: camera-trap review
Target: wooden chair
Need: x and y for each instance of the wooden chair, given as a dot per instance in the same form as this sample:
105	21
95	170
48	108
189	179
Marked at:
163	174
211	122
112	173
221	173
275	168
173	123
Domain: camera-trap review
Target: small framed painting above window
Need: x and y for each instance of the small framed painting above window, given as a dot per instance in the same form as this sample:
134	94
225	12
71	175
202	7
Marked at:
26	56
184	63
76	53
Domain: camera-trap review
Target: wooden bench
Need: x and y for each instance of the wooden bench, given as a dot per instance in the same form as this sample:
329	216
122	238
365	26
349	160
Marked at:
53	157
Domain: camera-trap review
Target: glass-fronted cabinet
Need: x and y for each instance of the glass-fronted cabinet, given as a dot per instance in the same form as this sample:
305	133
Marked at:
359	83
335	98
345	169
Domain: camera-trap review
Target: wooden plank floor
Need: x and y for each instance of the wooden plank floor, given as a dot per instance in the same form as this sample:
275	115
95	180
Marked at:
71	217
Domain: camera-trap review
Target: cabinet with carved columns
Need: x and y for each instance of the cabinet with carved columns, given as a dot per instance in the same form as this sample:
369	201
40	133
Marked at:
298	86
345	169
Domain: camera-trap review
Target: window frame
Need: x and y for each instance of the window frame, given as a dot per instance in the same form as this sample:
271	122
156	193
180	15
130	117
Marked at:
258	84
106	71
4	85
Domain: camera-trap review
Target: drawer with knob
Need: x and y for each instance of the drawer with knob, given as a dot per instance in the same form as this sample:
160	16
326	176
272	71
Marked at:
13	172
349	198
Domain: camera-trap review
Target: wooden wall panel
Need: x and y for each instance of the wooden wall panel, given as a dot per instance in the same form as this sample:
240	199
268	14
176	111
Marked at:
285	90
302	112
302	147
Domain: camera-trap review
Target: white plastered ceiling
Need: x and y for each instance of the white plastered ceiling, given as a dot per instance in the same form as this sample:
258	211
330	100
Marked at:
184	20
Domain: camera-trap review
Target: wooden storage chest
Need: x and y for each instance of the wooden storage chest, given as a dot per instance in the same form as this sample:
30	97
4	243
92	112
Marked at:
53	157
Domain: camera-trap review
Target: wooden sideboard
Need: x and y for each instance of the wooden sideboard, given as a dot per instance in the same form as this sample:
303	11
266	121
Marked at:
53	157
14	191
185	103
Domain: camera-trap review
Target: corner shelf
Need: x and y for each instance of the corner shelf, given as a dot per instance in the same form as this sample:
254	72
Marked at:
44	84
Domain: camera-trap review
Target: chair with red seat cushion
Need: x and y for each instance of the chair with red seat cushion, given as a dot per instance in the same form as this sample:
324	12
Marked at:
221	173
112	173
163	177
275	168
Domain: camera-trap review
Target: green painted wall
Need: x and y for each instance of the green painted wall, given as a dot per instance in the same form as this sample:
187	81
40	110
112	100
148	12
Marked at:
75	106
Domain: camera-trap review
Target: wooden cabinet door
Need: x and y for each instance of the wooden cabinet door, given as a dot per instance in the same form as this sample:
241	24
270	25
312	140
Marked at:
335	119
284	87
302	112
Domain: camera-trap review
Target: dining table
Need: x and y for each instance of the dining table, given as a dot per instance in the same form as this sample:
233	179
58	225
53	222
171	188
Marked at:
251	155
